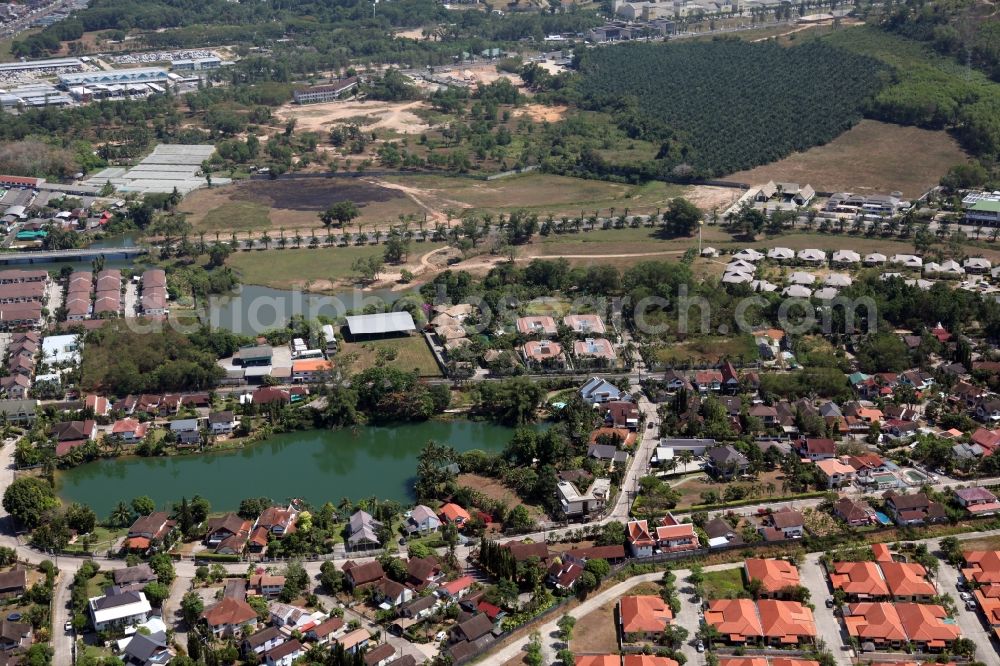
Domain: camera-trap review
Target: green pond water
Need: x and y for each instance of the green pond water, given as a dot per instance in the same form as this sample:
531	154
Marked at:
316	465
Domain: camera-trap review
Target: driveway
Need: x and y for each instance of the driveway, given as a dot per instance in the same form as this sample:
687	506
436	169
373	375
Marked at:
828	626
172	608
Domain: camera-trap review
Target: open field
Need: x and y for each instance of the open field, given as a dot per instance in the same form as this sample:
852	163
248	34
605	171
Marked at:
411	353
293	203
983	543
541	193
708	350
318	269
725	584
597	631
691	487
395	116
494	489
870	158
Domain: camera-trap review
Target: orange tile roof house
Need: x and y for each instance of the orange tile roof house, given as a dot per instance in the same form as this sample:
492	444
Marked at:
537	326
676	537
598	660
776	576
453	513
892	625
585	324
231	617
311	369
640	540
735	619
643	617
836	473
983	567
859	580
786	622
882	579
647	660
539	351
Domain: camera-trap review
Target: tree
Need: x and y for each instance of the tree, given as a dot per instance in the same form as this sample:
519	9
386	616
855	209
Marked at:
143	505
681	217
121	515
341	212
27	499
296	580
252	507
331	577
163	566
157	593
519	520
81	518
191	608
566	624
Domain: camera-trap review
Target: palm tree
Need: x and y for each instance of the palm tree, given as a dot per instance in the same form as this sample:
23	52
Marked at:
121	515
298	238
994	234
266	240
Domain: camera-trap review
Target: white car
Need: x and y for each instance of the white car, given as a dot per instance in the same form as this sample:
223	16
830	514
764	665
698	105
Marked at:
68	626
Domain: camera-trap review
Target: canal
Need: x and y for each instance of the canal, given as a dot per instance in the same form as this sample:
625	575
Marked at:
316	465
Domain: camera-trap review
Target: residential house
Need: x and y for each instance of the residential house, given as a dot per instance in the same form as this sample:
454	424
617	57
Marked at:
836	473
362	575
885	625
186	431
422	520
149	531
784	524
592	500
230	618
363	531
267	585
380	655
222	423
720	533
708	380
643	617
543	352
327	631
13	583
818	449
542	326
290	617
915	509
129	430
855	513
98	405
777	577
118	609
284	654
585	324
977	501
640	539
736	620
811	256
725	462
354	641
220	528
562	575
988	410
594	348
390	594
622	414
15	637
310	369
786	623
419	608
422	572
674	537
455	589
597	390
265	640
147	650
453	513
134	578
278	521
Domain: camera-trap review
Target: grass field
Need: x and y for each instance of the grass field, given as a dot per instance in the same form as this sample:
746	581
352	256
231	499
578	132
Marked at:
318	269
494	489
708	349
251	216
725	584
411	353
868	158
542	193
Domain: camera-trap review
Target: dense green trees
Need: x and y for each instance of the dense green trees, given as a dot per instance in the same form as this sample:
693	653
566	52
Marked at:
721	106
28	498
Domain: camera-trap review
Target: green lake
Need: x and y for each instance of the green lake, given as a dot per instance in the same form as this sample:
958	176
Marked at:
315	465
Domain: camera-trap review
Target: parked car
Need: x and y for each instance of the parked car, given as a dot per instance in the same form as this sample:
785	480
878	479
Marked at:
829	602
970	605
700	647
966	596
68	626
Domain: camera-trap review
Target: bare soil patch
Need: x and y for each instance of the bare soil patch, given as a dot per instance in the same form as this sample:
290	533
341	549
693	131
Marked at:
596	632
872	157
396	116
542	113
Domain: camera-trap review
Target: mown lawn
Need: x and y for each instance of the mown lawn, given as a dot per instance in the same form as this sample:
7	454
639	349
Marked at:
240	215
725	584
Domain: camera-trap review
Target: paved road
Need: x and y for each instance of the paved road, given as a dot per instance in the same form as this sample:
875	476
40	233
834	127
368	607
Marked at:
62	640
827	624
969	621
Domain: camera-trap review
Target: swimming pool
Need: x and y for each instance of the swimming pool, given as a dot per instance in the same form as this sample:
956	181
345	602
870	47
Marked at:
915	478
882	518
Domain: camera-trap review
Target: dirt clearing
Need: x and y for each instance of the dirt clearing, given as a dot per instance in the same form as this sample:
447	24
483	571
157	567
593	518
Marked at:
541	113
494	489
872	157
295	202
395	116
